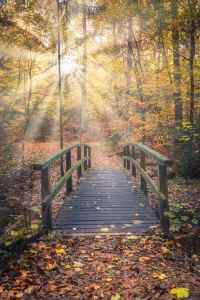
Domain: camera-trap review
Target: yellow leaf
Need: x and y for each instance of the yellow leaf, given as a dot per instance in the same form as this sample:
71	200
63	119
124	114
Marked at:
116	297
180	293
67	267
132	237
60	251
29	289
159	275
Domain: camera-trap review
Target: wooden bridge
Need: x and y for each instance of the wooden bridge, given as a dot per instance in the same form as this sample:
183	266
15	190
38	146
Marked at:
106	200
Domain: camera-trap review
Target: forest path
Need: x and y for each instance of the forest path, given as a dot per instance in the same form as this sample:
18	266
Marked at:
106	201
104	156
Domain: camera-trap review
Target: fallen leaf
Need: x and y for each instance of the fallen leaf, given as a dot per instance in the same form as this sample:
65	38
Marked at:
180	293
159	275
29	289
105	229
116	297
60	251
108	279
144	259
51	265
165	250
67	267
78	264
132	237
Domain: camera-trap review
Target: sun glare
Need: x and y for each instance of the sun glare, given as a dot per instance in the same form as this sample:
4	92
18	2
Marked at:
69	65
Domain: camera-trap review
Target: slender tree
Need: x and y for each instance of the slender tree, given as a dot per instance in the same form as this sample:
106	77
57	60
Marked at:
176	64
84	72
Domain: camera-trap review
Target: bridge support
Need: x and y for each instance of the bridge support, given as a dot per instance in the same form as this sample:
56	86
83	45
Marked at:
46	205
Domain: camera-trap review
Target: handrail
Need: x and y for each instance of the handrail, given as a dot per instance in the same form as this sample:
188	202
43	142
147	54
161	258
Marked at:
48	193
146	177
130	162
57	155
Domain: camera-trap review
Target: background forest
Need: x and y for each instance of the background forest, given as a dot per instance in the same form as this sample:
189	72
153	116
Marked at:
141	63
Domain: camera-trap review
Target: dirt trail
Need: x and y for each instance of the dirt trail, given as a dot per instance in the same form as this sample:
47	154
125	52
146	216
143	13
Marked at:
103	156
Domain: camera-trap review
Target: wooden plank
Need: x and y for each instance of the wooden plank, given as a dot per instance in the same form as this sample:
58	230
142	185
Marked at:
125	220
119	205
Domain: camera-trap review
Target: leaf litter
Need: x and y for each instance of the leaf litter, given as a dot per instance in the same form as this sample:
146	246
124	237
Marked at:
101	267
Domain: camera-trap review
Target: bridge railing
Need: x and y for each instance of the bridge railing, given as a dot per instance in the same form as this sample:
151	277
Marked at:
134	159
64	161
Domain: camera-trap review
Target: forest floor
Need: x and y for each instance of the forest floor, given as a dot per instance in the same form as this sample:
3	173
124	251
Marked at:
146	267
102	267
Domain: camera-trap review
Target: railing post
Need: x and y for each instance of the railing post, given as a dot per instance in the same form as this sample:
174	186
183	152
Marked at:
79	171
62	166
46	206
85	157
164	206
124	154
128	160
68	167
89	157
134	157
143	183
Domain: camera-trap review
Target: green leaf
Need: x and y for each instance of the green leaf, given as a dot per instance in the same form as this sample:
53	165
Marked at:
184	218
195	221
180	293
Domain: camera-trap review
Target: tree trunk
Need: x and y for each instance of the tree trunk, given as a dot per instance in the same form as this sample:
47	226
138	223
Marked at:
133	45
59	75
160	9
60	85
129	58
176	64
84	72
191	61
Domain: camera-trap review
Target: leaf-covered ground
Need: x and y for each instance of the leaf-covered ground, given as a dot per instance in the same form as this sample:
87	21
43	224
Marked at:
102	267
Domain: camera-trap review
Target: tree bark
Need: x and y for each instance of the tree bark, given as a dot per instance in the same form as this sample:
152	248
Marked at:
192	57
176	64
59	75
84	72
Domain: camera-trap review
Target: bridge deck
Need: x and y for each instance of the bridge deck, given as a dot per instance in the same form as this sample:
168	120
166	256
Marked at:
106	201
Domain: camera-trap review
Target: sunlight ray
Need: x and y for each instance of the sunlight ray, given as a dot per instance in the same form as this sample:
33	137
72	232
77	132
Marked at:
37	119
